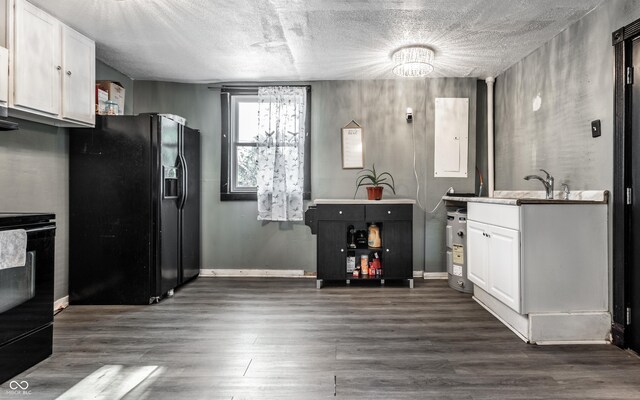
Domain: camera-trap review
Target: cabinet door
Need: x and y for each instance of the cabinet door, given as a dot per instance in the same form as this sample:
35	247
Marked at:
397	258
332	250
477	270
78	80
504	265
37	63
4	76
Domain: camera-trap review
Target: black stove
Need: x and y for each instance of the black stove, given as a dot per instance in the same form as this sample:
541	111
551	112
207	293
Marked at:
26	294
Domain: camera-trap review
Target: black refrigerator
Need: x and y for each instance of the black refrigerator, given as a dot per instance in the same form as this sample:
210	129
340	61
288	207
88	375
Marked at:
134	202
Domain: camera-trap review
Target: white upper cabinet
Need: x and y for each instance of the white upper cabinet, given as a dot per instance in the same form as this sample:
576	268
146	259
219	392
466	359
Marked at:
36	60
4	76
4	56
78	80
52	68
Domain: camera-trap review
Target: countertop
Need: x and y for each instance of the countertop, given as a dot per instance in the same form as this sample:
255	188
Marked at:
364	201
517	198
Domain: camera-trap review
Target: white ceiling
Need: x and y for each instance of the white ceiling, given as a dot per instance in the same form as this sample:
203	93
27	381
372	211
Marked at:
248	40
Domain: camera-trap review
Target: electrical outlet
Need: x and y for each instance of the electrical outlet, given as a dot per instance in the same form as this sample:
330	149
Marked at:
595	128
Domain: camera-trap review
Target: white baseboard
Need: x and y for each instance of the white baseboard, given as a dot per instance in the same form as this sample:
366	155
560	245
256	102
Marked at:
288	273
435	275
61	303
256	273
553	343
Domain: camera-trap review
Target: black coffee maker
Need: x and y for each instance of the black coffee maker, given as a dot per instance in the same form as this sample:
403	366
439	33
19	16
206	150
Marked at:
362	239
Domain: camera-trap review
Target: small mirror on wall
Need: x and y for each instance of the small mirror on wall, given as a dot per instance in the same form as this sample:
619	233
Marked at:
352	146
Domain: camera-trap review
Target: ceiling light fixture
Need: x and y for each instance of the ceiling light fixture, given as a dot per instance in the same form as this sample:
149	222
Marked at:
413	61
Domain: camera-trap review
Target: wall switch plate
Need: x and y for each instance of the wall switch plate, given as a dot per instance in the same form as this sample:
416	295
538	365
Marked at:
595	128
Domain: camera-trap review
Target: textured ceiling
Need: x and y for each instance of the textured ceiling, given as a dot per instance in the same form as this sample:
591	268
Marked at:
247	40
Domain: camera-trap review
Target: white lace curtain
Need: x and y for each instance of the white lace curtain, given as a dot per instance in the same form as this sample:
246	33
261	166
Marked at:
281	136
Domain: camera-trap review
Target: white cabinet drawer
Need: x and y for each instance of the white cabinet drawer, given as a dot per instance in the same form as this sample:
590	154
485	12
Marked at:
495	214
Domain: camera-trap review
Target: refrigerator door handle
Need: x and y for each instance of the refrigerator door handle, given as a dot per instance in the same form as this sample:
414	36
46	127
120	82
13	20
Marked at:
185	179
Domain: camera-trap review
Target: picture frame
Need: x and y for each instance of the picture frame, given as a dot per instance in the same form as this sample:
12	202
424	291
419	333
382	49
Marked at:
352	137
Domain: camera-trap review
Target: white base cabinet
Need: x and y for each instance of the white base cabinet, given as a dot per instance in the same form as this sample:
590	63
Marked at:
540	267
495	252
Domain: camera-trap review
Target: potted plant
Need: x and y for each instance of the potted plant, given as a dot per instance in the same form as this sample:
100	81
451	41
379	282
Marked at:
374	182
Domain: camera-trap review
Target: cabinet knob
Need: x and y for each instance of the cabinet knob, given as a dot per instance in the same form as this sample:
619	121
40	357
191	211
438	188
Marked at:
389	212
58	68
341	250
69	73
387	250
340	212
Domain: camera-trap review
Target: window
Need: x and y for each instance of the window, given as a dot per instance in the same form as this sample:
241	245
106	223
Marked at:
239	156
244	126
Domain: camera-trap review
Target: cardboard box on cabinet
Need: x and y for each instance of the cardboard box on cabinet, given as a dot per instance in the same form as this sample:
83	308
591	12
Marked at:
115	92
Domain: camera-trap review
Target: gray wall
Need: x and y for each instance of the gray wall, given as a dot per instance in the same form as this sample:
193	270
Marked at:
34	177
573	73
231	235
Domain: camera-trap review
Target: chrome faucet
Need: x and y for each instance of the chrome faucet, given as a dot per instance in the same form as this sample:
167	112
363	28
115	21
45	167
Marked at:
548	182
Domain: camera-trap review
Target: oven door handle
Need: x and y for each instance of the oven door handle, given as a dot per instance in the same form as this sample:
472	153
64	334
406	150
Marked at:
43	228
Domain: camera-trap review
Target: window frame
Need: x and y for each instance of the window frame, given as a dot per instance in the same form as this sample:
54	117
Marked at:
228	189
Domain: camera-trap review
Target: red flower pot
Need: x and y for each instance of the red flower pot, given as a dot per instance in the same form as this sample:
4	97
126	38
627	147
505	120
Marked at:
374	192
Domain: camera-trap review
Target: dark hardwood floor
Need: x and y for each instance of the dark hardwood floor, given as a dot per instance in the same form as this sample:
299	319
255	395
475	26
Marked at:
283	339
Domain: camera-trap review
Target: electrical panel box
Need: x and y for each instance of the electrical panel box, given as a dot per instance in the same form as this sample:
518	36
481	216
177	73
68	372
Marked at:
451	147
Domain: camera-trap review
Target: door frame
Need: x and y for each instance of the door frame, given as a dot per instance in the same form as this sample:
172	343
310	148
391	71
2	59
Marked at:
621	227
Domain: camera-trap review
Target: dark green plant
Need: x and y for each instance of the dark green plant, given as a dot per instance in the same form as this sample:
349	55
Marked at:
369	177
